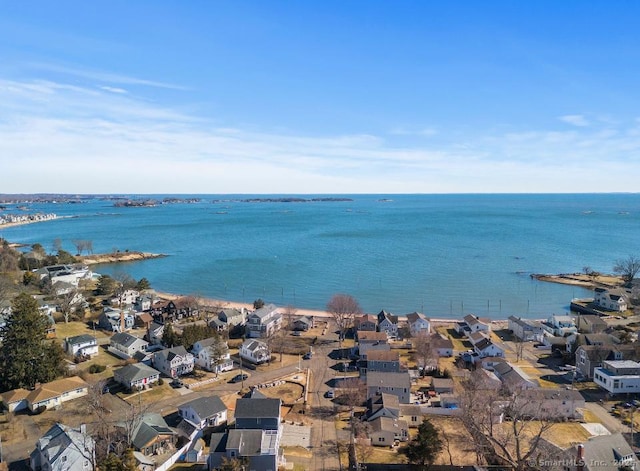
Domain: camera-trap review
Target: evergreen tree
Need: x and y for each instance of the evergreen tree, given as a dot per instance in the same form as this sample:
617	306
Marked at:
143	284
169	337
113	462
25	356
425	447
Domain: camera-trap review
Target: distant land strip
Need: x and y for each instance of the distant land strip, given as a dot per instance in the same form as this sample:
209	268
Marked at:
116	257
589	281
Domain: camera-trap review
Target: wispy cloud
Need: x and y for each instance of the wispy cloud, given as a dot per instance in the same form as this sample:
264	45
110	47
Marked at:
110	142
113	89
575	120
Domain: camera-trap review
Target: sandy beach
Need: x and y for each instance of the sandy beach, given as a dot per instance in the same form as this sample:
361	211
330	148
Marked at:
8	225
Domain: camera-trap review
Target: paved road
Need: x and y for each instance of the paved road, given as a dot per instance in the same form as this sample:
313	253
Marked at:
612	423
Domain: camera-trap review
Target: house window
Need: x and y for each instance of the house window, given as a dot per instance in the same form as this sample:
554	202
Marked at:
64	459
381	439
414	418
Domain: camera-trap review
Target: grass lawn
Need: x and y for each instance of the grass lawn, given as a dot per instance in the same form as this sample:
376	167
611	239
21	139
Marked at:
74	328
149	396
564	434
459	344
590	417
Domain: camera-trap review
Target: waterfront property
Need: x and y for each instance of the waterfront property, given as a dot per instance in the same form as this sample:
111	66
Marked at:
611	299
618	376
388	323
173	362
366	322
254	351
418	324
371	341
560	326
526	330
84	345
263	322
590	357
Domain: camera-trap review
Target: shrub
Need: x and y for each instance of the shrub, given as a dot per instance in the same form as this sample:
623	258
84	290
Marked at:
160	381
97	368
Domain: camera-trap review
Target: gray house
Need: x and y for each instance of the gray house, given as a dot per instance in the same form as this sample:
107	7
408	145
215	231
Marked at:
386	431
263	322
261	414
125	345
232	317
383	361
208	411
136	375
398	384
63	448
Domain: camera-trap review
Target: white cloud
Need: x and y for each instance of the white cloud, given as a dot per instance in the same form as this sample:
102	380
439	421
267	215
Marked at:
113	89
575	120
60	138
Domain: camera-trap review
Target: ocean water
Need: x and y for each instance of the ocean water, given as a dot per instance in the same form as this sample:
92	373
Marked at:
445	255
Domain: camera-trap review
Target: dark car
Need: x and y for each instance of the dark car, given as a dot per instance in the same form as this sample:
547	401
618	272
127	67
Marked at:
238	378
176	383
307	356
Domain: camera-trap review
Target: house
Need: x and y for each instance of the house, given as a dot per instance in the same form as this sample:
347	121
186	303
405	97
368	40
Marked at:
477	324
143	320
72	274
554	404
442	346
388	323
371	341
590	324
526	330
382	360
476	337
618	376
155	332
152	435
411	414
125	345
258	413
560	326
63	448
173	362
418	323
136	376
573	341
208	411
303	324
254	351
116	320
589	357
127	298
398	384
232	317
512	377
366	323
180	308
48	395
84	345
442	385
204	352
263	322
383	405
486	348
256	436
260	449
144	302
386	431
611	299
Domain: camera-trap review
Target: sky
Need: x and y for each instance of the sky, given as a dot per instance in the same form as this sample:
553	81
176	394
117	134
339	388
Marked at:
319	97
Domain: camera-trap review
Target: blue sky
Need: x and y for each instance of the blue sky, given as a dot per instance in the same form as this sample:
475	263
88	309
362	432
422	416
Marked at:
319	97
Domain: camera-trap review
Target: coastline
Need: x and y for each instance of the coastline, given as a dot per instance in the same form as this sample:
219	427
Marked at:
581	279
117	257
8	225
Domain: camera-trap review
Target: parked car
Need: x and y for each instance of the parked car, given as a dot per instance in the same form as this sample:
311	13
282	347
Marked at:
176	383
329	394
296	333
238	378
307	356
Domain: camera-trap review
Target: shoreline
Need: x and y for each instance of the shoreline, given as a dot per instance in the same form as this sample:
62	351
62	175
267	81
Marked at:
8	225
117	257
581	279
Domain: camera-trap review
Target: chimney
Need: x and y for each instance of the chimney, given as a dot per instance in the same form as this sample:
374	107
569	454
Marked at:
122	323
580	458
83	428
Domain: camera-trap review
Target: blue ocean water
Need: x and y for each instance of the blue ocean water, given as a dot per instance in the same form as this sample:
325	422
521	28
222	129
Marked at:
446	255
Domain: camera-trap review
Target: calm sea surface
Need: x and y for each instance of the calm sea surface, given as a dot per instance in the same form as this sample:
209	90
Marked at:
446	255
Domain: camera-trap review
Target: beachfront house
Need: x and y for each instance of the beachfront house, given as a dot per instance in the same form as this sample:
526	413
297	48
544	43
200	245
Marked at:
618	376
418	324
526	330
63	448
611	299
127	298
576	340
366	323
136	376
254	351
263	322
208	411
302	324
232	317
173	362
486	348
560	326
590	324
125	345
476	324
71	274
212	354
84	345
369	341
388	323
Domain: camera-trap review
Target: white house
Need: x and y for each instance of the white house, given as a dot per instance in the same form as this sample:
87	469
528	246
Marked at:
135	376
477	324
442	346
526	330
561	326
127	298
486	348
125	345
254	351
618	376
418	323
388	323
611	299
173	362
81	345
204	350
232	317
263	322
64	448
398	384
208	411
49	395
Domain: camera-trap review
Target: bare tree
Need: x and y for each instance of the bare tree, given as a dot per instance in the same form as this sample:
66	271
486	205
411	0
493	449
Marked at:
218	351
57	245
628	268
423	346
96	404
343	308
289	312
67	303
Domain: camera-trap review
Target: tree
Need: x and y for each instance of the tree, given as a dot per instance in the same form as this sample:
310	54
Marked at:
67	303
169	337
232	464
628	268
26	358
423	347
258	303
143	284
106	285
425	447
192	333
343	308
218	351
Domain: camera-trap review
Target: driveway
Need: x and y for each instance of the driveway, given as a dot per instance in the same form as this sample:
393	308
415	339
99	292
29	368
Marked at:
611	423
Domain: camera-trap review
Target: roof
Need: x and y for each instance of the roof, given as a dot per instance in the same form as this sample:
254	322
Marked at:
60	437
171	353
477	336
387	424
265	311
442	383
125	339
135	372
206	406
551	394
15	395
145	317
366	318
218	443
253	345
208	342
605	452
414	316
394	380
305	320
440	342
383	355
390	401
55	389
78	339
150	427
247	442
367	336
382	315
484	344
252	408
470	319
